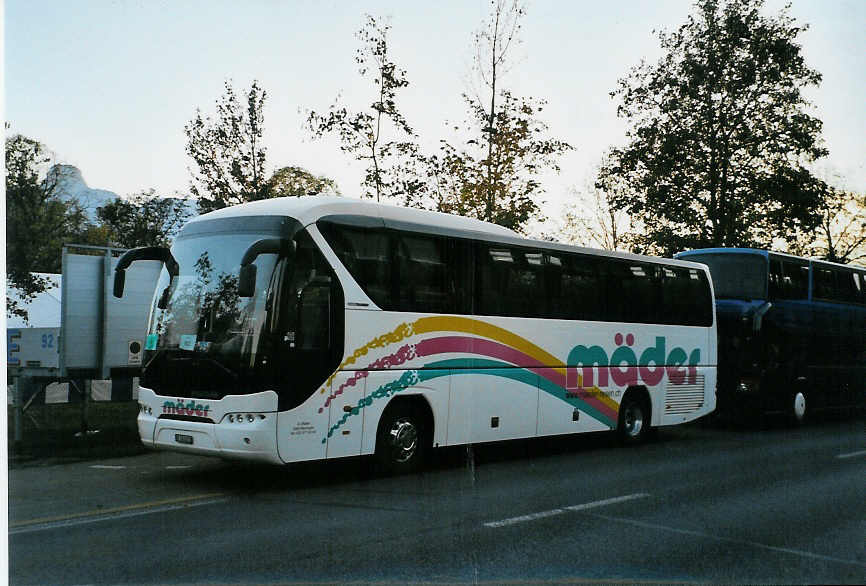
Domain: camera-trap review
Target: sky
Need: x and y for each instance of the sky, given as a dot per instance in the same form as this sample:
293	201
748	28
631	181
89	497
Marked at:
109	85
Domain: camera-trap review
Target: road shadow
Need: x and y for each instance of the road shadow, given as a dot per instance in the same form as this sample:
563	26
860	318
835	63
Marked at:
247	478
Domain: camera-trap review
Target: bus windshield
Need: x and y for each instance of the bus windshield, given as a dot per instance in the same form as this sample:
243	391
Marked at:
205	325
735	276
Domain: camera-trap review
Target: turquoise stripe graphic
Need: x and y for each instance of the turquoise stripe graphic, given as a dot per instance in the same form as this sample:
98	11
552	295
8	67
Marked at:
461	366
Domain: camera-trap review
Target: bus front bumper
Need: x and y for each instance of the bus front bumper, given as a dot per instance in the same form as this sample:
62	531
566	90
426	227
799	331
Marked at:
236	427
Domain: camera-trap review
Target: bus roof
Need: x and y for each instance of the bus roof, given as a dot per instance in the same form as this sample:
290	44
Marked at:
761	252
310	209
757	251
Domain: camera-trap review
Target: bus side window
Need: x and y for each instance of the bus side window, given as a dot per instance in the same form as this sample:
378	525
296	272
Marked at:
512	282
580	293
824	285
553	285
686	298
860	285
632	292
796	280
493	267
366	255
424	283
847	290
776	286
460	265
788	279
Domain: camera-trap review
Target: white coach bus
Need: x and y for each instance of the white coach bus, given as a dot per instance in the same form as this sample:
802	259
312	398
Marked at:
308	328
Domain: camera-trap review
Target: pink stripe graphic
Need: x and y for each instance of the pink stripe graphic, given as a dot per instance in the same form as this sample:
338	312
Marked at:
465	345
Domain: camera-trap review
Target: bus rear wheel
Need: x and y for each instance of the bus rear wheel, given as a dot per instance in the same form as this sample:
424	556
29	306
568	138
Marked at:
400	441
634	420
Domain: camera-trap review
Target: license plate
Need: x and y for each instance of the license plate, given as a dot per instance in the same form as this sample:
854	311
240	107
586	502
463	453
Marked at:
183	439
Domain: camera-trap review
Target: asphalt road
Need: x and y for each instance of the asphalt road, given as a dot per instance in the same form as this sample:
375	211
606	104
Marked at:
699	504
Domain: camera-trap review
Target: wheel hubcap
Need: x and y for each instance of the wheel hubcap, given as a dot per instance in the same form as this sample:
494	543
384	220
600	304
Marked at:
633	420
799	406
403	436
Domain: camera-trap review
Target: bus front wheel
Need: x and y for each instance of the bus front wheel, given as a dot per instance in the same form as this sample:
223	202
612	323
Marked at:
634	420
400	441
798	408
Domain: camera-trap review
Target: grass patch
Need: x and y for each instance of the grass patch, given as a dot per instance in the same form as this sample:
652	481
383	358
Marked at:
54	431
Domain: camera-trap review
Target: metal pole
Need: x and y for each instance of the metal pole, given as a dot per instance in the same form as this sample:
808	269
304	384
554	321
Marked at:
84	402
19	412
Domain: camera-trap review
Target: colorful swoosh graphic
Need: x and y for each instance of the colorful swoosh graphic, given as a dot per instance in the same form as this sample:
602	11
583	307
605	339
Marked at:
494	351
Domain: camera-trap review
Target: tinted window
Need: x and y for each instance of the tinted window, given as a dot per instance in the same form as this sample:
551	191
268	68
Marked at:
633	292
511	282
788	279
686	297
860	283
409	271
775	280
366	254
846	287
824	286
433	274
735	276
575	287
796	279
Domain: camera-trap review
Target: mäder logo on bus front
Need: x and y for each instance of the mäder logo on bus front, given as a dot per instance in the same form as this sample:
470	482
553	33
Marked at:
625	368
179	408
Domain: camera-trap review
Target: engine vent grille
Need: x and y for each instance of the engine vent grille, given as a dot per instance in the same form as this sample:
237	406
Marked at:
686	397
187	418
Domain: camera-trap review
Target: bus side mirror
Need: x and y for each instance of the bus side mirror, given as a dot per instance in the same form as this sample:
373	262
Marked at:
247	277
119	282
758	317
247	281
159	253
163	298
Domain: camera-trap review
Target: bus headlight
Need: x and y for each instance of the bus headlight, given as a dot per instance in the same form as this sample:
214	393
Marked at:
748	385
244	417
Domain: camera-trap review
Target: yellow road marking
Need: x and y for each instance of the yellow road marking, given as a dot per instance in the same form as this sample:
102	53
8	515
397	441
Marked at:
112	510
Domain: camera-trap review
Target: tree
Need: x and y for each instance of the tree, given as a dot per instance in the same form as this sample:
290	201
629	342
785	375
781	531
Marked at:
295	182
379	136
719	133
144	219
492	42
842	231
841	234
228	152
495	176
591	220
38	221
498	174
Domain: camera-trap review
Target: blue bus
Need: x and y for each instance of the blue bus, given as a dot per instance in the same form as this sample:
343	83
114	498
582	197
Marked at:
792	332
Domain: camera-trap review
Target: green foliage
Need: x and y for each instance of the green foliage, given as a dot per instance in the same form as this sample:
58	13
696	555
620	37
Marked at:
841	234
378	137
144	219
496	175
295	182
38	222
719	134
589	219
227	151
